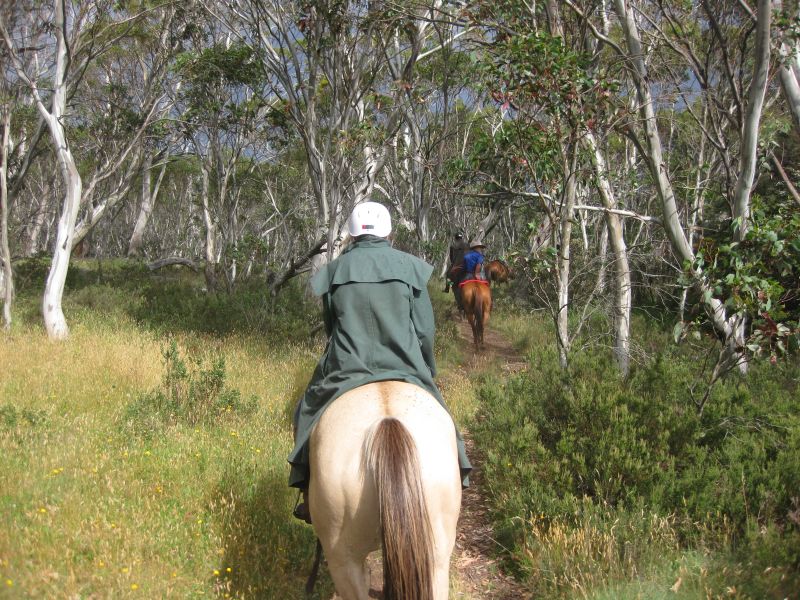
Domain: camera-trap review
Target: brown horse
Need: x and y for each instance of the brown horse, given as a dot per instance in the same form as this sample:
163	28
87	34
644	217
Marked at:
499	271
477	299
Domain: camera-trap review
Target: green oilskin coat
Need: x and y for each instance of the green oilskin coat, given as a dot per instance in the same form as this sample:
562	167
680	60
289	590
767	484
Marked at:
379	321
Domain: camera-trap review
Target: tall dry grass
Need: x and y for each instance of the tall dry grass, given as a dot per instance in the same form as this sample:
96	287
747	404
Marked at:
89	509
92	508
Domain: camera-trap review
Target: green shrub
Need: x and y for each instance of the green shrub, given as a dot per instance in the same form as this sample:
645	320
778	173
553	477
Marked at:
12	417
555	440
185	306
189	395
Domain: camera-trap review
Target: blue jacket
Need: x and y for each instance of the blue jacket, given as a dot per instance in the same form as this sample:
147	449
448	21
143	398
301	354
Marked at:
472	259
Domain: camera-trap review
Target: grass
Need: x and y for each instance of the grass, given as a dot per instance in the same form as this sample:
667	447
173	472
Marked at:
90	509
87	509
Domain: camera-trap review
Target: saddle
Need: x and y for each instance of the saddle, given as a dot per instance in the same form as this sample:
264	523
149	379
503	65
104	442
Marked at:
466	281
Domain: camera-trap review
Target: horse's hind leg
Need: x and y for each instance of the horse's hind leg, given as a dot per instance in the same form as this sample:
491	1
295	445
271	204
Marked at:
473	323
350	576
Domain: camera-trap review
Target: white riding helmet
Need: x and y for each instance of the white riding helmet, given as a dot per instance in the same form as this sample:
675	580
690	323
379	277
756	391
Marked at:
369	218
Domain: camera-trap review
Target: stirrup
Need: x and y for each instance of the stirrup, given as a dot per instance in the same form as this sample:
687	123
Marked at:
301	511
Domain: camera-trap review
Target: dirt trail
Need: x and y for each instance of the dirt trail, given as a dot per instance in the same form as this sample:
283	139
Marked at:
476	573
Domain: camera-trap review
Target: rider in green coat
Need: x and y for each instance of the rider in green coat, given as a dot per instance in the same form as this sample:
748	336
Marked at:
379	321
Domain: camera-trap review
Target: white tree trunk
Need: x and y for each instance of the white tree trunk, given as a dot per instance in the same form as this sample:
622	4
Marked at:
602	255
646	107
622	271
32	244
54	321
208	221
146	208
6	274
790	63
563	270
755	104
728	327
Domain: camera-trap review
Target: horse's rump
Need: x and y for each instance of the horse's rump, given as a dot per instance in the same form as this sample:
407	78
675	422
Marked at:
384	472
477	299
499	271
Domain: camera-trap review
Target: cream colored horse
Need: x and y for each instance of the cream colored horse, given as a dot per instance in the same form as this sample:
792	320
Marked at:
384	474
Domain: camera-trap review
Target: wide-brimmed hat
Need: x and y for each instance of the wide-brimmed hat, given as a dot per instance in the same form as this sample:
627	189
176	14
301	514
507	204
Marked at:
476	244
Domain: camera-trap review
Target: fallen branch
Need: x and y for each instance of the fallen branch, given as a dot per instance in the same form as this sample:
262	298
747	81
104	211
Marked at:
297	264
173	260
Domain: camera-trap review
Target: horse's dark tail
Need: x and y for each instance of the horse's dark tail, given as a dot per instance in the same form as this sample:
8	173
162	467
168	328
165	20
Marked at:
405	525
477	309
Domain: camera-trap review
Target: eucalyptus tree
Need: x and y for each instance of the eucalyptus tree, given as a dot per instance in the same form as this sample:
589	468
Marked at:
220	112
327	64
435	123
789	51
539	78
148	195
123	92
6	101
730	324
69	38
57	44
6	274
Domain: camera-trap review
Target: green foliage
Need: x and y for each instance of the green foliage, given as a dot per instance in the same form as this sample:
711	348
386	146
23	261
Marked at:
12	417
760	275
562	446
189	394
181	305
213	77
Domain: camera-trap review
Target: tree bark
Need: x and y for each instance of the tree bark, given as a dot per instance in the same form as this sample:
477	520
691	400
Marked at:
210	245
622	271
658	167
6	274
54	321
32	244
728	327
563	270
146	208
752	120
790	62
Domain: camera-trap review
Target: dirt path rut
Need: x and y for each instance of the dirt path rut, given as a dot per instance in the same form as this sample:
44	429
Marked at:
475	573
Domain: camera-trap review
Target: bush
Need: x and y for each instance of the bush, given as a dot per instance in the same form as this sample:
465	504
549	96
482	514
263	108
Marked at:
555	441
188	394
185	306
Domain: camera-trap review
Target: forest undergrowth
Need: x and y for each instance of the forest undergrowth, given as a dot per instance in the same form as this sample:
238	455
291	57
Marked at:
611	488
146	455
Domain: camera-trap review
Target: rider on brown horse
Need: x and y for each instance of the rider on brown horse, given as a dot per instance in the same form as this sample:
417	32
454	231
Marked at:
455	268
473	261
